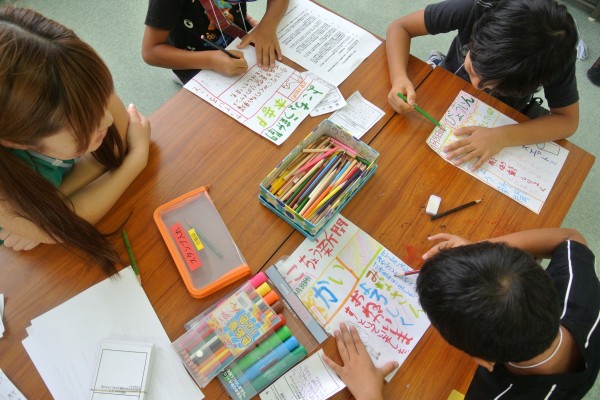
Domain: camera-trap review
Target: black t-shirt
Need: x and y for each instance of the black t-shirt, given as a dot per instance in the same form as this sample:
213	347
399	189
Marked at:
461	15
572	272
187	21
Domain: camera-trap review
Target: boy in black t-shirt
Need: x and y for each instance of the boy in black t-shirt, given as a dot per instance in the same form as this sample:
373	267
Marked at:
507	47
535	334
172	37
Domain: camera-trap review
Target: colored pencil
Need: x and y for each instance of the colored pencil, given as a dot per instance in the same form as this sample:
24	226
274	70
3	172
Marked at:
134	266
419	109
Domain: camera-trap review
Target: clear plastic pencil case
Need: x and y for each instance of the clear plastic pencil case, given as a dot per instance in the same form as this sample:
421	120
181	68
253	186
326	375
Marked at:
224	331
200	243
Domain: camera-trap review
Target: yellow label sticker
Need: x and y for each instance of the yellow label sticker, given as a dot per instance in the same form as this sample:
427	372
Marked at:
196	239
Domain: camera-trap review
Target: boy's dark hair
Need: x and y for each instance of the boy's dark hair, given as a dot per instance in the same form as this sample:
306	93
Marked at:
522	44
491	301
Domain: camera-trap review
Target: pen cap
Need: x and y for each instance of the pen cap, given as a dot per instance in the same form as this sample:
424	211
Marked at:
271	297
263	289
258	279
277	307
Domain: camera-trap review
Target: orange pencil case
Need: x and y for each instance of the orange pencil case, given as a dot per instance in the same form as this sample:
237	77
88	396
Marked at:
200	243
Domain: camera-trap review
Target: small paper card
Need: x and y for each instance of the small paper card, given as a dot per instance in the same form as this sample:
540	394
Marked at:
357	116
122	371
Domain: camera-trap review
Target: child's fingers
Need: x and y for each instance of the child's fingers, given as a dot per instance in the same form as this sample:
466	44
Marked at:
348	341
411	96
134	115
245	42
358	343
333	365
388	367
341	345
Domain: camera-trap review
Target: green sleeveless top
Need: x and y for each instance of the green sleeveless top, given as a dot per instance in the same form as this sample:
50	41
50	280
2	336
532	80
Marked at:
52	169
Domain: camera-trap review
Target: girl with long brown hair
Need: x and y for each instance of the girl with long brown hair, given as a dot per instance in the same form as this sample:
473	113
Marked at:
68	146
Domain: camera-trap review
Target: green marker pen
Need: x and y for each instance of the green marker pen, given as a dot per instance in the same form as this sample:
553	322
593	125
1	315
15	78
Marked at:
267	377
267	345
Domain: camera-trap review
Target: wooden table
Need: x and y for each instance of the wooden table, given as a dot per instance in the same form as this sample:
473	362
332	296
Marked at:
194	144
391	208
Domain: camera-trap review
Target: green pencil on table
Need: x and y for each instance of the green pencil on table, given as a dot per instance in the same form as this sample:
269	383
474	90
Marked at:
419	109
134	266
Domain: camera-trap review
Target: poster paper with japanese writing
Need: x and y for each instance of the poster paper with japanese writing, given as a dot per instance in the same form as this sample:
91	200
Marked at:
525	173
270	102
347	276
323	42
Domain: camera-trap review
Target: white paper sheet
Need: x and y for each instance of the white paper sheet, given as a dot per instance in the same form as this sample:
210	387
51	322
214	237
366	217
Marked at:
8	391
270	102
525	173
323	42
312	379
332	101
358	116
63	343
344	275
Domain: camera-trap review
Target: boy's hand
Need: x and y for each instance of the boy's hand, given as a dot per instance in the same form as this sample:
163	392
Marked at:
363	379
16	242
478	142
448	241
266	45
229	66
405	87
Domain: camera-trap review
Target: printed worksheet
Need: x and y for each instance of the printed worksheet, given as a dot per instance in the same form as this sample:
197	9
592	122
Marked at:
358	116
323	42
347	276
312	379
525	173
271	102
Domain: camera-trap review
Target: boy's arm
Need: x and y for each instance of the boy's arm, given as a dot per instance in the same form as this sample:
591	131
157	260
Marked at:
264	36
483	143
398	38
157	51
538	242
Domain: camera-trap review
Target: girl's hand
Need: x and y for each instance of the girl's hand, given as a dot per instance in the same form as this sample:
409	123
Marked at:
447	241
478	144
363	379
405	87
229	66
266	45
138	136
16	242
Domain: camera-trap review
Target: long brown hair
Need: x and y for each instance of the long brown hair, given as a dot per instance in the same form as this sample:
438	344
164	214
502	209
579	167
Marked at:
51	80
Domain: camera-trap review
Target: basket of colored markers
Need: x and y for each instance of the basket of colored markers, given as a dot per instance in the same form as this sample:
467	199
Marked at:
227	329
318	178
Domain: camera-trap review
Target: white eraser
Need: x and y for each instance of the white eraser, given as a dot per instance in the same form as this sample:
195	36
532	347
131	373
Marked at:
433	205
